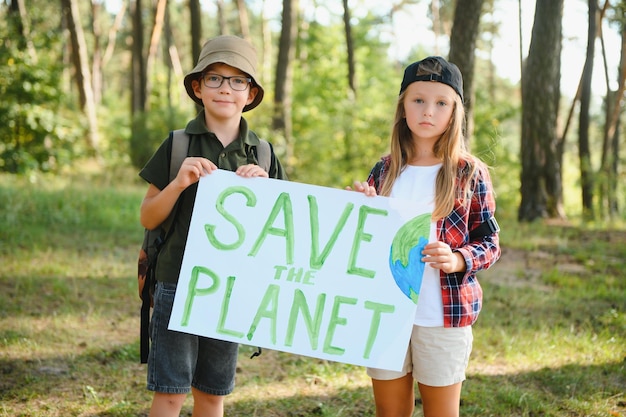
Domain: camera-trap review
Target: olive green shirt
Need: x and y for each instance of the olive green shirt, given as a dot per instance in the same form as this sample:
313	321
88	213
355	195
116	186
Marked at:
205	144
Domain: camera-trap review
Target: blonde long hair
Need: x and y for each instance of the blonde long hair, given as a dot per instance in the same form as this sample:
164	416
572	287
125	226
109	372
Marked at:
450	148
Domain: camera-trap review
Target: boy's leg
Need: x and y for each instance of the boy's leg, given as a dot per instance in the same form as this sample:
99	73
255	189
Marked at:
441	401
394	397
207	405
166	405
171	359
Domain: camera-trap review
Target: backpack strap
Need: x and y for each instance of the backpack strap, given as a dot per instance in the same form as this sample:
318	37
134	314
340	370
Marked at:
264	154
180	147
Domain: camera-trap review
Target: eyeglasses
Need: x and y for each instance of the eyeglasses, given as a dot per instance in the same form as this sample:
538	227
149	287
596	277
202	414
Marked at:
237	83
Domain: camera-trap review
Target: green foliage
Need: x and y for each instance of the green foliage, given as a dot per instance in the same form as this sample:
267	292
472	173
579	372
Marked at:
338	136
36	130
165	113
150	129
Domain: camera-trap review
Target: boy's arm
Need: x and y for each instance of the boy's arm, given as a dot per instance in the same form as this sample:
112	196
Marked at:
157	204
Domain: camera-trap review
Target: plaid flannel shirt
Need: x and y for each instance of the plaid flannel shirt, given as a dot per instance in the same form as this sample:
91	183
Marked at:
461	292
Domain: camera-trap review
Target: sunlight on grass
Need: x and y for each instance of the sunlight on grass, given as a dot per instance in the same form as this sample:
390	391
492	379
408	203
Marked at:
47	337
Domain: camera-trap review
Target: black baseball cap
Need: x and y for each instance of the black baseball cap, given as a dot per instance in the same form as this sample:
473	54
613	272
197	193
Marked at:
448	74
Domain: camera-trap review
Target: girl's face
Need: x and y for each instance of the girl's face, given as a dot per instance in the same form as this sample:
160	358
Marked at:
428	108
223	101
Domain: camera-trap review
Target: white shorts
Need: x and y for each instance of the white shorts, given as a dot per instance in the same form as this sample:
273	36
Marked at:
437	356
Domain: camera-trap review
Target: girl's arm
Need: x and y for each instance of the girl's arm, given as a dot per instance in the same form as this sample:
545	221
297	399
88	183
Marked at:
483	251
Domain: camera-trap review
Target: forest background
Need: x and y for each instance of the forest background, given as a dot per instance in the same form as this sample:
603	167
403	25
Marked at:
100	85
90	89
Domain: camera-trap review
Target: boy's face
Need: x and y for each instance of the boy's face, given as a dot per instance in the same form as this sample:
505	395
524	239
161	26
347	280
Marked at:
224	102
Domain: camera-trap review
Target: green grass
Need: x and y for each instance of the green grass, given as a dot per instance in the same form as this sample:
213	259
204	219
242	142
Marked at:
551	340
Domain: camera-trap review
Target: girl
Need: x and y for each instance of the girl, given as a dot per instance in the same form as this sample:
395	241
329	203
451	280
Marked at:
428	160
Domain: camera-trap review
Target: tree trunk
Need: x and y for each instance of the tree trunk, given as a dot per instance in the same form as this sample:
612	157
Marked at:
541	187
17	10
196	29
352	93
80	62
462	51
112	35
266	51
138	79
434	12
609	176
584	152
155	38
243	19
221	17
350	48
281	121
96	64
610	148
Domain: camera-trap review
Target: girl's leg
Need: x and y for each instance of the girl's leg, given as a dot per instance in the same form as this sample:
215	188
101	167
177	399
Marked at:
166	405
207	405
394	397
441	401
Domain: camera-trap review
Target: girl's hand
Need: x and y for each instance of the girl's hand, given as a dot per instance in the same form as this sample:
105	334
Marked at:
363	187
439	255
251	170
192	169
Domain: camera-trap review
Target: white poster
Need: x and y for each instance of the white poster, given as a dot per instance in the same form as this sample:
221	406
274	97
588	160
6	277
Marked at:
305	269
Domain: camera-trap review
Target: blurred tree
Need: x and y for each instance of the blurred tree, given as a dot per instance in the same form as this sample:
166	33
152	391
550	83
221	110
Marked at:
349	48
155	39
82	72
111	38
584	152
244	24
138	63
97	54
348	137
195	12
463	50
221	17
283	82
541	183
609	163
19	18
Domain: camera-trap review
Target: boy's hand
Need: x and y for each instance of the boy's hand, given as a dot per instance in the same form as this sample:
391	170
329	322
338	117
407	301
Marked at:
251	170
192	169
362	187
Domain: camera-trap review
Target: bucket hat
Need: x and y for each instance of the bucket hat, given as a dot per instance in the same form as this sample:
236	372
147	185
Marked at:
230	50
448	73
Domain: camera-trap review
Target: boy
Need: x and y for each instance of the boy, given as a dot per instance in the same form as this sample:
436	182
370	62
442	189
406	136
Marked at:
223	82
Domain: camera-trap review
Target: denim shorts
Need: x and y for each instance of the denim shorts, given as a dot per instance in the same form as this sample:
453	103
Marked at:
177	361
437	356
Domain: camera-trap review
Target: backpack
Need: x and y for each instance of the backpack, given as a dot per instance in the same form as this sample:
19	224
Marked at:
154	239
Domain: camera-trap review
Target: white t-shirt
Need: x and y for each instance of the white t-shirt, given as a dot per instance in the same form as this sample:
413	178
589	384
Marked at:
418	183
